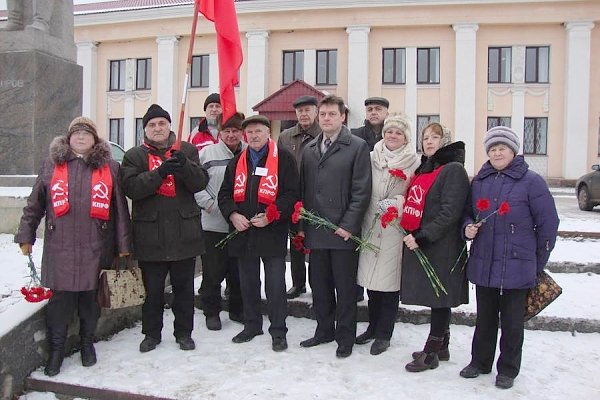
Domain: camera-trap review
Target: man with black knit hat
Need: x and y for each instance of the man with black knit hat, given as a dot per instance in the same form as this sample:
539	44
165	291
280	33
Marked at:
294	139
216	263
207	132
167	236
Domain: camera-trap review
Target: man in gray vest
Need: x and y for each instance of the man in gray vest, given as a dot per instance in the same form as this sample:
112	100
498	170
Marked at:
294	139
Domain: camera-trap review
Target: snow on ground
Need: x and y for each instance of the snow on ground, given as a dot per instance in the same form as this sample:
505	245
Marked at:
556	365
17	191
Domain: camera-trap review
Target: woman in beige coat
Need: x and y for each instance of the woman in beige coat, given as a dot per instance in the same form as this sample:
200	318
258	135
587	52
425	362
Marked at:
380	272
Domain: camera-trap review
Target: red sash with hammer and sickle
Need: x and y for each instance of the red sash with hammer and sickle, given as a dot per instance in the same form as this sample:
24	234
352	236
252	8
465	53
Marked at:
269	183
167	187
412	212
101	192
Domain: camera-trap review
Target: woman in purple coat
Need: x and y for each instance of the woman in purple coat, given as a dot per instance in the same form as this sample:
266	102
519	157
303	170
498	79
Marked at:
510	247
78	191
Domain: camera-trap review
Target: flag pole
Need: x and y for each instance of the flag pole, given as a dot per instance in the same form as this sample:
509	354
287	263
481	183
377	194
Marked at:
188	67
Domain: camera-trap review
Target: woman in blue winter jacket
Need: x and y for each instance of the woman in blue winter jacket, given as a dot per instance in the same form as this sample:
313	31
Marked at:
512	220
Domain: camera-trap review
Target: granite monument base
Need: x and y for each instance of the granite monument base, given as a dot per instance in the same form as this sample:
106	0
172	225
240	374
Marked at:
39	96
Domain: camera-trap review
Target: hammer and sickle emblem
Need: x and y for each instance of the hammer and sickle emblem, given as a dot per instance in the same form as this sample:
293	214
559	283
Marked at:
100	191
271	182
156	163
416	194
58	189
240	180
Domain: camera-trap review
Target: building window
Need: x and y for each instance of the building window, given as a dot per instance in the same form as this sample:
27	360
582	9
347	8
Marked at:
537	64
139	131
143	73
116	131
499	64
199	75
117	75
498	121
293	66
194	121
428	65
535	136
394	66
422	122
326	67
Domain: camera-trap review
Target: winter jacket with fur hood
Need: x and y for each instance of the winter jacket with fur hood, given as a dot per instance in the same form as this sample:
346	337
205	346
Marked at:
510	249
76	246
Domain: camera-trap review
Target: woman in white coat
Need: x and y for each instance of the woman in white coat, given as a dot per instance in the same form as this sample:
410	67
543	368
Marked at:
393	162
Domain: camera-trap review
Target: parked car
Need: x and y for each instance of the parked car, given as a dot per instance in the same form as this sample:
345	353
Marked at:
588	189
117	152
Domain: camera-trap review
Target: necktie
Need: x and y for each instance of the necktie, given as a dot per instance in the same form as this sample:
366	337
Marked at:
327	144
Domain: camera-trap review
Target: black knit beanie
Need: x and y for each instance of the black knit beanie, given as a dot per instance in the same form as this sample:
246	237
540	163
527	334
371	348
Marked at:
155	111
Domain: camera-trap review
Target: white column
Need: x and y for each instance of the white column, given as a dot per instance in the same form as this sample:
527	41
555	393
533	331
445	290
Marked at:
257	68
517	119
577	98
464	97
213	73
358	73
166	72
87	58
129	120
310	66
410	89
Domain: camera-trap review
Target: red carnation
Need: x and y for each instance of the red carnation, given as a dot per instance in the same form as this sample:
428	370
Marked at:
389	216
504	208
273	214
297	214
482	204
398	173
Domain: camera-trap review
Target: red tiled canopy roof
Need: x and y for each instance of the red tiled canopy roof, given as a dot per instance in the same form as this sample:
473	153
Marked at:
279	104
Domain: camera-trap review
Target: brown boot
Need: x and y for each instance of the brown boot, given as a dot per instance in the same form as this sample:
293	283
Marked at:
443	354
428	359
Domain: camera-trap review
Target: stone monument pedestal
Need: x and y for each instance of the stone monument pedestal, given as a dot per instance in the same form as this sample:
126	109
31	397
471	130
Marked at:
40	95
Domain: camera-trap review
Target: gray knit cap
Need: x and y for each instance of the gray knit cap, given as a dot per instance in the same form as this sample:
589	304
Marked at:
504	135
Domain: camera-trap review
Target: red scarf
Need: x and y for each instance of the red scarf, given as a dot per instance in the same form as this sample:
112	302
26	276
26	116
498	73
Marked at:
269	182
412	212
167	187
101	192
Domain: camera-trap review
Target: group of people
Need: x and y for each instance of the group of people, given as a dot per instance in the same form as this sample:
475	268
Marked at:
228	194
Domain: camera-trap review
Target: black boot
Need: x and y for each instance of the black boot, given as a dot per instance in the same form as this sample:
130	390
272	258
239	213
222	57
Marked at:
443	354
86	334
429	356
56	343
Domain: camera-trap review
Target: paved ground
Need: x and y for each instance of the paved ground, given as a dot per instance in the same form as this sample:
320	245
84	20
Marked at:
566	203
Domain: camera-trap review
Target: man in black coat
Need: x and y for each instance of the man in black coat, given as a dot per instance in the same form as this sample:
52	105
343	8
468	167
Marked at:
295	139
336	184
167	234
376	110
258	179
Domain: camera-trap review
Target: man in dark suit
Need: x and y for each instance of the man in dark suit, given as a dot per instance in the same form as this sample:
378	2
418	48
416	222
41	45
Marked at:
336	184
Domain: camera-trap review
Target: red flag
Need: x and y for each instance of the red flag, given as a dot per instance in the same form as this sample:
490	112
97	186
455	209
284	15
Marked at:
229	48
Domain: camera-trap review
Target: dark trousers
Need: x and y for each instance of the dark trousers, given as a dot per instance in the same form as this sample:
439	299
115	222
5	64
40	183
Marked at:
333	283
274	289
298	267
216	266
507	309
440	321
383	308
182	281
62	305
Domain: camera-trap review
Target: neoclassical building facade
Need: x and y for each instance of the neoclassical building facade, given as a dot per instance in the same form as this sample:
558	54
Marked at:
471	64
